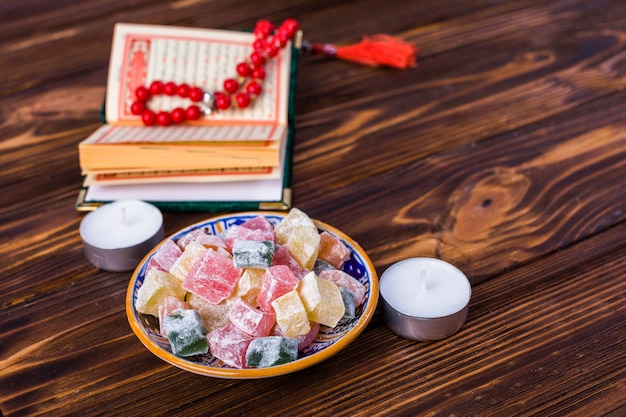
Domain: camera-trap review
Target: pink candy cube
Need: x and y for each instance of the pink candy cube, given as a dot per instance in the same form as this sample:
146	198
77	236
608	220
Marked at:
211	241
282	256
229	344
259	223
168	305
189	237
212	277
255	322
345	280
166	255
278	280
238	232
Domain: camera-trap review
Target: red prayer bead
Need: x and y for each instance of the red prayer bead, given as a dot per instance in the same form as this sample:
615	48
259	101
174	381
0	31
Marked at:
178	115
222	101
231	85
243	69
291	23
259	44
254	88
196	94
170	89
193	112
183	90
137	107
163	118
257	59
142	93
148	117
258	73
290	26
156	87
263	28
243	100
284	32
271	50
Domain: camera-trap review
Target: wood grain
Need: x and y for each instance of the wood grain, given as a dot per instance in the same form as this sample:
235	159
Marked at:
503	152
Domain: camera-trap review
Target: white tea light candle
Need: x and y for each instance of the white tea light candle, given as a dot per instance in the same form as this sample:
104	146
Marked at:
118	235
424	298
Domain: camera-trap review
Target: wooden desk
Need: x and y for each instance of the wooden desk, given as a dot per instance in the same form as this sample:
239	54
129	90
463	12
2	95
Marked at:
503	152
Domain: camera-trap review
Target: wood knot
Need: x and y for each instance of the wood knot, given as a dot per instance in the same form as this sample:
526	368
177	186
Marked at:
484	202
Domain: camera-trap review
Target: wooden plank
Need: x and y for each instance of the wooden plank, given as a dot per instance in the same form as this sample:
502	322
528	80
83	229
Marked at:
503	152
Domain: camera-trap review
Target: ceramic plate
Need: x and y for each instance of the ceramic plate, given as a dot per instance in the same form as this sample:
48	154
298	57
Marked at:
329	341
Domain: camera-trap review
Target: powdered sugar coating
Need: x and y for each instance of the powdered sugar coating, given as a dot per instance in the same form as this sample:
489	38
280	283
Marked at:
358	266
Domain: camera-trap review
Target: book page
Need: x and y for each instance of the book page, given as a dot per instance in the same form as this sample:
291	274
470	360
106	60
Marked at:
255	190
262	187
180	176
186	133
203	58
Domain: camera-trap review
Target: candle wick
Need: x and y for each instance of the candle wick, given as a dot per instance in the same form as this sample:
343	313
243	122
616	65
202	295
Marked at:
423	281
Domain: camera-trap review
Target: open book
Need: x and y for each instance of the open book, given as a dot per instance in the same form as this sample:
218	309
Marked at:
230	159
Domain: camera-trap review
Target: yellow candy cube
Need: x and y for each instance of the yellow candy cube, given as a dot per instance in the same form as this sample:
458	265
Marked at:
213	315
303	244
294	218
321	299
183	264
156	287
291	315
249	285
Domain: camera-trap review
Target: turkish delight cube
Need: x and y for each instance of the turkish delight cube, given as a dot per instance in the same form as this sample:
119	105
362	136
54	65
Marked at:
322	300
291	315
224	252
345	280
268	351
348	303
238	232
249	286
294	218
167	254
229	344
157	285
253	253
253	321
321	265
185	261
259	223
212	277
333	250
304	244
304	340
211	241
186	332
282	256
169	304
152	264
189	237
213	315
277	280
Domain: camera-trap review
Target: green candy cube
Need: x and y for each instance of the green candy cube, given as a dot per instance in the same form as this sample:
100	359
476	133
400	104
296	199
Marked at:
186	332
348	302
271	350
253	253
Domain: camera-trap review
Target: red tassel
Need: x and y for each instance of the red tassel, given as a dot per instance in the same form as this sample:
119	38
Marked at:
374	50
380	50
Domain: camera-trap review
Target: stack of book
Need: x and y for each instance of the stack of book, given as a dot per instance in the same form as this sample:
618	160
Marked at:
235	159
